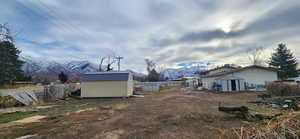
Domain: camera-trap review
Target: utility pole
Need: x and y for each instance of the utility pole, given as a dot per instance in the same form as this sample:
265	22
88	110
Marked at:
119	61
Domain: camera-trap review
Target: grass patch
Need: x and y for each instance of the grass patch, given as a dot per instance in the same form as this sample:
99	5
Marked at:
9	117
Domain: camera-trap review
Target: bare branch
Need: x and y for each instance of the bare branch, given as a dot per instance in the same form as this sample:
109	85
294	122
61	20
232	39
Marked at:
255	56
101	62
150	65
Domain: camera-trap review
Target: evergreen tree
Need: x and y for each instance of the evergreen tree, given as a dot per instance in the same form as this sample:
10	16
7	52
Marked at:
63	77
10	65
283	59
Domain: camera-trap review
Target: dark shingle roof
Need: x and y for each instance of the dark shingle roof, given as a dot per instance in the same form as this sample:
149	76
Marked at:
238	70
105	76
234	67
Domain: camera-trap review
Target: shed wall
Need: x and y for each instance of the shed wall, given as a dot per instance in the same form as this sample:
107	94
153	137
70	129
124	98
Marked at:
105	89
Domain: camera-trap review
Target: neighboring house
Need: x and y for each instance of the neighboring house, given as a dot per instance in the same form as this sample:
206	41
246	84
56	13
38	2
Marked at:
241	79
107	84
191	81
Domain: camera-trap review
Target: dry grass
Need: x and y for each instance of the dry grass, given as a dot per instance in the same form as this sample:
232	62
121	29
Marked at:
283	127
120	106
266	111
22	87
166	91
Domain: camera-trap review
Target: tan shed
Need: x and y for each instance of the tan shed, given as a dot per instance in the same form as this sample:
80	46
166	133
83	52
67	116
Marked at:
107	84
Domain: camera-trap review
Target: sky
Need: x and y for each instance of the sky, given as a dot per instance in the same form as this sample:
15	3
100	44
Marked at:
169	32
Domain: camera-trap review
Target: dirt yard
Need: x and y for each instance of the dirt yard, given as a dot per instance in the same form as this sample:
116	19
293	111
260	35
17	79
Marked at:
172	114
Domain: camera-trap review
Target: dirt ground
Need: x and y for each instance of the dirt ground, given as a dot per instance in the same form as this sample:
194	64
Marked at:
171	115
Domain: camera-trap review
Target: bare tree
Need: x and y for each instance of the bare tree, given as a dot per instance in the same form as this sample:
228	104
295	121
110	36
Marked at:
111	59
154	71
101	63
255	56
150	65
108	60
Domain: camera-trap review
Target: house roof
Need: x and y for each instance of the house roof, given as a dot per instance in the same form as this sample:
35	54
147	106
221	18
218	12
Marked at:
105	76
222	67
238	70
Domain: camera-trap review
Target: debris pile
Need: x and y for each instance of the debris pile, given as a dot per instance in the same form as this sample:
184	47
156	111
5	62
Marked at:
286	103
24	96
251	114
9	101
283	127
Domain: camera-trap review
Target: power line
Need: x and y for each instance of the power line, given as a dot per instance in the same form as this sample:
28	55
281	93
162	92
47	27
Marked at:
31	11
49	17
54	14
119	62
53	19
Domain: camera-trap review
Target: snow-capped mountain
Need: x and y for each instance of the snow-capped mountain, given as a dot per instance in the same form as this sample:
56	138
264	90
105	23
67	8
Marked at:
181	72
50	69
136	74
79	67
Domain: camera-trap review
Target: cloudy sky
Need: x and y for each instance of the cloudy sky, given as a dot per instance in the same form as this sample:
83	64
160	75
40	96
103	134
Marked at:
168	31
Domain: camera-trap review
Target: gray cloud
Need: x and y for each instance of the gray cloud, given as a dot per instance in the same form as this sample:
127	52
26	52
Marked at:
170	31
201	52
202	36
207	35
182	58
161	10
276	19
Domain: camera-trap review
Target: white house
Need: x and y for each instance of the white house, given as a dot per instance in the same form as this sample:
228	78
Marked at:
241	79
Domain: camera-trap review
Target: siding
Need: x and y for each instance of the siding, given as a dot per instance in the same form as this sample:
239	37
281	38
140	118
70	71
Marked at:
252	76
105	89
208	82
256	76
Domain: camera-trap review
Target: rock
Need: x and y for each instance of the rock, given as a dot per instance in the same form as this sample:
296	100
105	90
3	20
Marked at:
32	119
115	134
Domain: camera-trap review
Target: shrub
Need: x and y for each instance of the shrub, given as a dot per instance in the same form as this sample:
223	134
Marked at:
283	89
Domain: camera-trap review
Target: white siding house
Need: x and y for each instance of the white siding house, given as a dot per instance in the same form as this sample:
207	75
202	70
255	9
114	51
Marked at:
252	77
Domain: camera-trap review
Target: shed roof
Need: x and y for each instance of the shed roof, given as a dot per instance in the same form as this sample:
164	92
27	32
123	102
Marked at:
238	70
105	76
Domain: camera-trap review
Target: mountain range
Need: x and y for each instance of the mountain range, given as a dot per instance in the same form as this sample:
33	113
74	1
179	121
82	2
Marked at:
50	69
